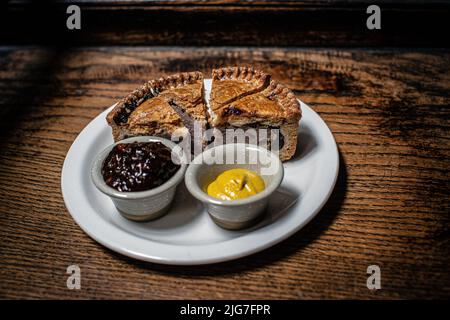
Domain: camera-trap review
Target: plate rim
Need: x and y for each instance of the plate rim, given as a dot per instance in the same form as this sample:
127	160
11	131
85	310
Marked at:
108	241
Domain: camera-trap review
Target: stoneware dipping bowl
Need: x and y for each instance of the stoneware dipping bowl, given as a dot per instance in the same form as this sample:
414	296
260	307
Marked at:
141	205
242	213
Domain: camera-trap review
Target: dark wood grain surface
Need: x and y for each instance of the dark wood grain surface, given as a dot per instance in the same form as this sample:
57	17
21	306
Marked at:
388	110
327	23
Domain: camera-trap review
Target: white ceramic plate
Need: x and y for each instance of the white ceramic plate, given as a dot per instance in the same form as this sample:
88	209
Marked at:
187	235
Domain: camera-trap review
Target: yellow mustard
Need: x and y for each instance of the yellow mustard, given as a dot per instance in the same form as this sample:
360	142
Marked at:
236	184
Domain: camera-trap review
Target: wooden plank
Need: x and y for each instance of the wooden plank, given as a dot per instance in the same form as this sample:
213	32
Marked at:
278	3
388	111
234	23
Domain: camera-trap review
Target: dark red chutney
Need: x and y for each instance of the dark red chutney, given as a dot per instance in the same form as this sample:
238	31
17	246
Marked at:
138	166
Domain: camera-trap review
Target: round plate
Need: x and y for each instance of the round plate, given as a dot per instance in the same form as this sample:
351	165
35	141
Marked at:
187	235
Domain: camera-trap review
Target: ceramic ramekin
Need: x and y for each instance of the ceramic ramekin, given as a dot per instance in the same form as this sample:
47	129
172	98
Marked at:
142	205
242	213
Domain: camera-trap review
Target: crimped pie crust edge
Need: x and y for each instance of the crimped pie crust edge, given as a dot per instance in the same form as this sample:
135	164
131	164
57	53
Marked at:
249	74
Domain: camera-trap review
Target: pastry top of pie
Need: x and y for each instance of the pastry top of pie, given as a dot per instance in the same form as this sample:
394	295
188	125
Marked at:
163	101
182	87
172	106
233	83
243	95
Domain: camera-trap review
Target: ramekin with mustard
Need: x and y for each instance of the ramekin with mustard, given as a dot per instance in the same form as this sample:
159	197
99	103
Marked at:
235	194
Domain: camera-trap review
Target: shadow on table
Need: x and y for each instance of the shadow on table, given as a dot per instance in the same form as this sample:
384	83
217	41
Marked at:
283	250
34	81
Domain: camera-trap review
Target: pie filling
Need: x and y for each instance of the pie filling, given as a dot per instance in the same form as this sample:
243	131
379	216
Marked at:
122	116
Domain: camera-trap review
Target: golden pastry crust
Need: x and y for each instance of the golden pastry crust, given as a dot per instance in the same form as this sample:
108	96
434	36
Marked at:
148	109
232	83
276	104
152	89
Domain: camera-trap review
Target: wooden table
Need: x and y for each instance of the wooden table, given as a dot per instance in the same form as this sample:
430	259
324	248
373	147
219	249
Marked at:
405	23
388	110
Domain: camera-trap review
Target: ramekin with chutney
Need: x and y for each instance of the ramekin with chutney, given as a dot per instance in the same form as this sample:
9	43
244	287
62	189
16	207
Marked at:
140	175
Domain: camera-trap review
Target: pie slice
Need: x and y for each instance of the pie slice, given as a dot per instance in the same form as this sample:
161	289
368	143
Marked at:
160	107
247	98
